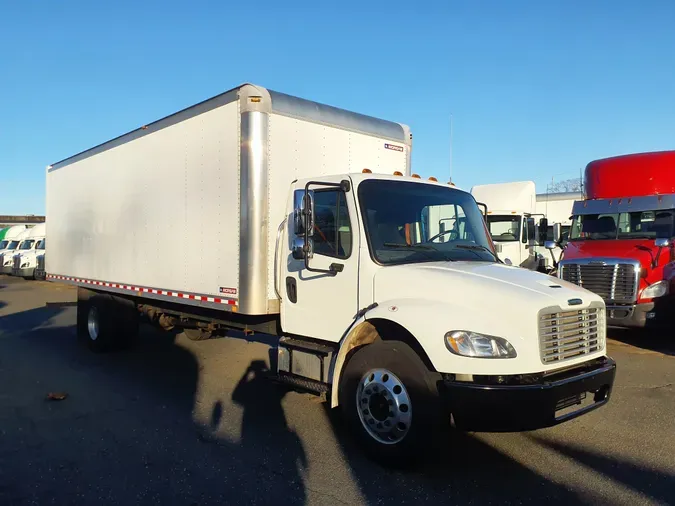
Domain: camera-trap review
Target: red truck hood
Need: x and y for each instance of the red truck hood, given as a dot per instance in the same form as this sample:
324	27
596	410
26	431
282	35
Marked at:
618	248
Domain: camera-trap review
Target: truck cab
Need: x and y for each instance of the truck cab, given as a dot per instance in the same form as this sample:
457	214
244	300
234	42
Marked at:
621	240
407	265
25	261
557	207
41	251
518	231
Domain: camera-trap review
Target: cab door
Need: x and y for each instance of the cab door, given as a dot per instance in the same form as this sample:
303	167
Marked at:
320	294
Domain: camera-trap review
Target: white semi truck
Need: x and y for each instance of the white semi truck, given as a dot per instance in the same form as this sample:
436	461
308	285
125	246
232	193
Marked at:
10	240
7	256
25	260
383	290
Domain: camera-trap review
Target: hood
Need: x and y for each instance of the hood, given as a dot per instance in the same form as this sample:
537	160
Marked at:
476	283
634	249
490	298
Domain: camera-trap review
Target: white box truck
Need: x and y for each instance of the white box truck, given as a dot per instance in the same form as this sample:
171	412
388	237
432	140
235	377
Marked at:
521	221
512	221
317	236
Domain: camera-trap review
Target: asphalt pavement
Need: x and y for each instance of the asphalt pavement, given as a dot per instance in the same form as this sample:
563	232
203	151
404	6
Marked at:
181	422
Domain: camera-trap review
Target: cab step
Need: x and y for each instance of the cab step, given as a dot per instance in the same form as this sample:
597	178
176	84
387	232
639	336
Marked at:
304	363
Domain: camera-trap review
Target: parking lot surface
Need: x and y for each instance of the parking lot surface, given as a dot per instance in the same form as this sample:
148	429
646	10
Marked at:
181	422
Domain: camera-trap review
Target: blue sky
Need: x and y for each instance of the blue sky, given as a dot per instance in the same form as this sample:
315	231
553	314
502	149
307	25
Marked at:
536	89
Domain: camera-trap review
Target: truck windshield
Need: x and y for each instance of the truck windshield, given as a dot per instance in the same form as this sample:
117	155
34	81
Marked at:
3	244
408	222
635	225
13	245
504	228
27	244
41	244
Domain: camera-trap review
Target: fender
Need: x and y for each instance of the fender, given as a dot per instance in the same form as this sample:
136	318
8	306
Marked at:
364	331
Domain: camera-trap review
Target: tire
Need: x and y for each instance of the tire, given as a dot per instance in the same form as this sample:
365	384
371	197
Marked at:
106	323
197	334
390	376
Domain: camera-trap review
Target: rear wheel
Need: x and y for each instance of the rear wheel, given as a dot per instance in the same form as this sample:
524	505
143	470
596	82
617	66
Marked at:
389	400
106	323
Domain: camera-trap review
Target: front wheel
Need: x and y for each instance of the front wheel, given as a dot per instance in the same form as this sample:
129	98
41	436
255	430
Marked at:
389	400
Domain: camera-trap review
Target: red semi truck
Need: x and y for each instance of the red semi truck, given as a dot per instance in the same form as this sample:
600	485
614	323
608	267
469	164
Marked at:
621	240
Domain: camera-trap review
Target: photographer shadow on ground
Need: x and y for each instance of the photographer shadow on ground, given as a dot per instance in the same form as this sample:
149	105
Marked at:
265	436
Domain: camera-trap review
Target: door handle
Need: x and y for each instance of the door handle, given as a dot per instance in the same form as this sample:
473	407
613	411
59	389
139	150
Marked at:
335	268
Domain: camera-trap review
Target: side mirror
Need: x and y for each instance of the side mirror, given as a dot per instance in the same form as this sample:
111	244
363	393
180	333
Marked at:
543	231
303	212
557	232
529	232
661	243
300	250
550	244
483	207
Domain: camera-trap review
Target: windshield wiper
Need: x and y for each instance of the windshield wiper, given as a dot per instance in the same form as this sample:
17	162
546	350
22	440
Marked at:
424	249
399	245
474	247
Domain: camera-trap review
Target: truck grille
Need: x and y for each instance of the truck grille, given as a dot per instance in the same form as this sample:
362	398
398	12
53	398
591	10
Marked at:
17	262
2	259
41	262
613	282
570	334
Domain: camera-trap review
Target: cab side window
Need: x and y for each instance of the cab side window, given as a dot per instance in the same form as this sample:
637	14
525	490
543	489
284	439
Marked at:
332	229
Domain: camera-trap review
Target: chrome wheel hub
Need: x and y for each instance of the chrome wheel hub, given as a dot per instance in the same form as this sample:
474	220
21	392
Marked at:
384	407
92	323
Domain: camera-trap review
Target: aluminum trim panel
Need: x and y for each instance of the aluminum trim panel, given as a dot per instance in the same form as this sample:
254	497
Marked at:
254	213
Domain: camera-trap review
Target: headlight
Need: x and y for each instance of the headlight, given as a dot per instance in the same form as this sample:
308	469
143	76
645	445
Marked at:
472	344
658	289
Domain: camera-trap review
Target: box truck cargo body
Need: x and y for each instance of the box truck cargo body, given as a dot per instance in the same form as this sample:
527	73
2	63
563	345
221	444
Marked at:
303	223
215	175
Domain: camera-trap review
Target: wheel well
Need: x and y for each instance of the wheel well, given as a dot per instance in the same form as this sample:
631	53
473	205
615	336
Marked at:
388	330
366	333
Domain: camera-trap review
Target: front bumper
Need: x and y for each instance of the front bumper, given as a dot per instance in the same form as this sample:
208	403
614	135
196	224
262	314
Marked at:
532	404
26	272
650	315
7	269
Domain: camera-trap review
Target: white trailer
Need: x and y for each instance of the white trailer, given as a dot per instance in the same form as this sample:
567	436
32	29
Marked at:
373	303
25	260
